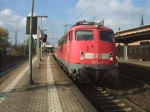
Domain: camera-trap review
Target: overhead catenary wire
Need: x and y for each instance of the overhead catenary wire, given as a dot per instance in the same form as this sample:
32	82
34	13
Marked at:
77	17
66	25
111	17
86	9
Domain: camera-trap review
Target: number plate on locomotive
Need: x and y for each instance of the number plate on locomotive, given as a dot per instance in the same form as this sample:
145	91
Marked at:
89	55
105	56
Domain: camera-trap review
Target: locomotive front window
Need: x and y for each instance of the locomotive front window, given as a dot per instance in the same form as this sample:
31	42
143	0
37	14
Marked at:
107	36
84	35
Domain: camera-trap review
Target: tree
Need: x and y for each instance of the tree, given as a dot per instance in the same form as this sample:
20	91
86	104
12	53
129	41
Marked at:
4	43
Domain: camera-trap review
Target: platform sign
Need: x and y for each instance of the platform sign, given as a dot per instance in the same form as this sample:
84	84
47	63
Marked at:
34	25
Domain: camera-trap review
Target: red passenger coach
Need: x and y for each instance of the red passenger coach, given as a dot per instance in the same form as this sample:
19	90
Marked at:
88	51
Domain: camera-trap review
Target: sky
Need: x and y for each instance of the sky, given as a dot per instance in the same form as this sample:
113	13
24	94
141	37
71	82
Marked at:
124	14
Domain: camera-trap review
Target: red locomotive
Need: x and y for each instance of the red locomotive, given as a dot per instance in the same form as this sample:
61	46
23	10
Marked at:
88	51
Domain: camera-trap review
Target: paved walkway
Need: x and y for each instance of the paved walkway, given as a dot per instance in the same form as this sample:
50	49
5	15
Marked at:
53	91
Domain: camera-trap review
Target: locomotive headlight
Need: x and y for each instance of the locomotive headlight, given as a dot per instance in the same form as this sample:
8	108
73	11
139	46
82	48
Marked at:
81	58
111	58
96	25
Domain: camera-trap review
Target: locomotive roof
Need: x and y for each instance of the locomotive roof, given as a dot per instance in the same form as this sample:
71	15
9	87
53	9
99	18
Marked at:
90	25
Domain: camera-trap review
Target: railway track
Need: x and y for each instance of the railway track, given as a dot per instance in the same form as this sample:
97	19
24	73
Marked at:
140	90
13	63
120	98
102	100
109	100
4	72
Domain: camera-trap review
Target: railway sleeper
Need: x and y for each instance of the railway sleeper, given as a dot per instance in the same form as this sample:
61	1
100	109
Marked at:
115	105
100	95
105	98
112	108
119	110
106	103
108	100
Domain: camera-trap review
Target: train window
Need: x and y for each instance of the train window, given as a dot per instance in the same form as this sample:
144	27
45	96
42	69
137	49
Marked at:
84	35
70	35
64	39
107	36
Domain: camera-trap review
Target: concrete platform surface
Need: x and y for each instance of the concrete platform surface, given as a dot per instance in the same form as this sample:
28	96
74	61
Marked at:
52	90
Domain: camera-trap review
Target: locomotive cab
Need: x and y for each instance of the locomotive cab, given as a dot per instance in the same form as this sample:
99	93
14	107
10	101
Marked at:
88	50
94	52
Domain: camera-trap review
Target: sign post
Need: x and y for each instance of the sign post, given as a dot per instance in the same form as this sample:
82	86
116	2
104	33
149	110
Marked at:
30	45
38	46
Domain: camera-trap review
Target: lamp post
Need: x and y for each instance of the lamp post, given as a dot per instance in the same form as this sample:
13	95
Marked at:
30	41
30	45
38	47
39	50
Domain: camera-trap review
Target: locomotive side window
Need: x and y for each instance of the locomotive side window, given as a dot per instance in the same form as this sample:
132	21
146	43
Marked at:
64	39
70	35
107	36
84	35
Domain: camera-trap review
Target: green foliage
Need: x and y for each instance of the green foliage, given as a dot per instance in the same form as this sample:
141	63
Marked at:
22	50
4	43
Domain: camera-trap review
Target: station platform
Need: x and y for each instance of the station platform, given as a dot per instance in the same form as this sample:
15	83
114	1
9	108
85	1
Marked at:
139	63
52	91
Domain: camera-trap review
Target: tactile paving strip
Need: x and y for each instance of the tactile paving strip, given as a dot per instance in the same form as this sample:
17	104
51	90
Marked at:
53	100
